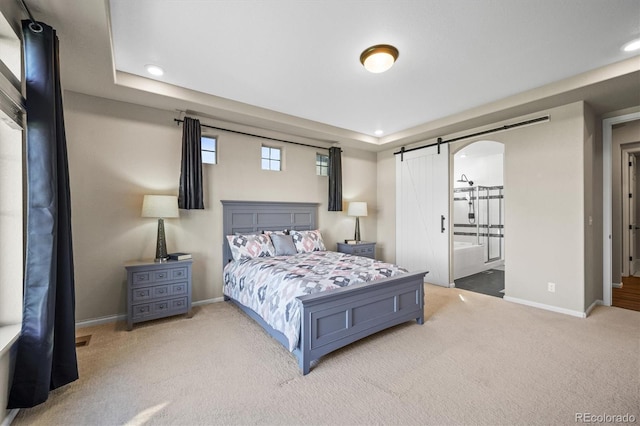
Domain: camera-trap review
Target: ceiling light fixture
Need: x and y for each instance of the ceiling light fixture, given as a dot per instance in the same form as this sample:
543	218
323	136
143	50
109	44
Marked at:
632	45
379	58
154	70
379	132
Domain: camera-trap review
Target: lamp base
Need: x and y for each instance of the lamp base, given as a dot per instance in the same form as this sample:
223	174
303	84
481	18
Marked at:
161	244
357	233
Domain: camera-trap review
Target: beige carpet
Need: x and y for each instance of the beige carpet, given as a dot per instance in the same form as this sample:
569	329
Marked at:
480	360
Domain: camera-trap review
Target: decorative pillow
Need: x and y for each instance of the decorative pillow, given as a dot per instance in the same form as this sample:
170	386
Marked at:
307	241
283	243
284	232
247	246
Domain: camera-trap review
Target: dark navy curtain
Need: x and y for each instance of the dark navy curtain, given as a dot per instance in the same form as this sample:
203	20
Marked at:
46	353
335	179
190	194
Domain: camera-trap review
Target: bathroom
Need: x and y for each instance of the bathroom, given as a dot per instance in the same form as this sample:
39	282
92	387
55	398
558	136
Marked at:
478	216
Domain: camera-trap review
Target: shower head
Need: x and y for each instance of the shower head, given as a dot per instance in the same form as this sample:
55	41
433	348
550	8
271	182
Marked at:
463	178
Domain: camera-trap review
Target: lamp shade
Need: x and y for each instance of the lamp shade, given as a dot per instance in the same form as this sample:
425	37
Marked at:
160	206
357	208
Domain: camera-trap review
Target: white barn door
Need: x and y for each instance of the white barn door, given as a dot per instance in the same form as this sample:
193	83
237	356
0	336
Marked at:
422	212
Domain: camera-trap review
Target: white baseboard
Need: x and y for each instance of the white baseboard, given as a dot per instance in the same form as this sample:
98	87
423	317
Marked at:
208	301
123	317
546	307
100	320
12	415
593	305
616	285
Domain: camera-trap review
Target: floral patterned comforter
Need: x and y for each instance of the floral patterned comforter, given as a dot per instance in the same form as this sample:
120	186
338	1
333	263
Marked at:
270	285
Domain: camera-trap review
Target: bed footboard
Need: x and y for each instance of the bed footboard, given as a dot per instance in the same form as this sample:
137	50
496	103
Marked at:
337	318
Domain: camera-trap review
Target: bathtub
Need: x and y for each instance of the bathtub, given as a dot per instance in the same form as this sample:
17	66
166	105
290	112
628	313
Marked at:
469	259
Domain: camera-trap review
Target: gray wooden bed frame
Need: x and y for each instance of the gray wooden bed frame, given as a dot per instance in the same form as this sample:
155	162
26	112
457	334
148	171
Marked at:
335	318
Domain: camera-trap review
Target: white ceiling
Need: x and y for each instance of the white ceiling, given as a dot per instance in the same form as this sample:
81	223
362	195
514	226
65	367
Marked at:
293	65
302	57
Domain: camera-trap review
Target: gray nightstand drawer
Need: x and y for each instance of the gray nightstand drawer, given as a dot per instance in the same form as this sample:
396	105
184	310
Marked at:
142	294
161	291
142	277
363	248
163	275
145	277
178	303
141	311
178	289
158	292
178	273
363	251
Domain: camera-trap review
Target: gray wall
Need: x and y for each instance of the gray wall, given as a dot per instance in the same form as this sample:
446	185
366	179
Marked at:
545	187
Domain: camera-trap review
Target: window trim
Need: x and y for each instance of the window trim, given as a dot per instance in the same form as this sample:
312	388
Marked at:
270	158
322	167
215	151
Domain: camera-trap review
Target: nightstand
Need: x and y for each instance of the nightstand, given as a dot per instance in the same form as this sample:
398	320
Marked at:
362	248
157	290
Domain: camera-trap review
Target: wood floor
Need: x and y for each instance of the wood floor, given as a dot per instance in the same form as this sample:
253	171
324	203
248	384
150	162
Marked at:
628	296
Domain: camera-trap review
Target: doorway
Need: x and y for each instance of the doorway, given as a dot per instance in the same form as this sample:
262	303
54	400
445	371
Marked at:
630	209
609	159
478	218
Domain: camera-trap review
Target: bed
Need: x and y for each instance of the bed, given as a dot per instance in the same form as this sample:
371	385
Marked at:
330	319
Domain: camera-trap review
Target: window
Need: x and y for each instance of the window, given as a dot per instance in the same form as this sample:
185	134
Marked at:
271	158
209	155
11	189
322	165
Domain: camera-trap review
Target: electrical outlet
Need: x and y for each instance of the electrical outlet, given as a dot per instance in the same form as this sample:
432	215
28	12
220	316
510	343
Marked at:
551	287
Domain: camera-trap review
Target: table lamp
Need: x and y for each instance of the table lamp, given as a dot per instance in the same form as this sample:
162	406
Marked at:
160	206
357	209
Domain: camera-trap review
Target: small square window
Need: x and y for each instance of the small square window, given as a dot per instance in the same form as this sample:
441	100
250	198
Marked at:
271	158
208	147
322	165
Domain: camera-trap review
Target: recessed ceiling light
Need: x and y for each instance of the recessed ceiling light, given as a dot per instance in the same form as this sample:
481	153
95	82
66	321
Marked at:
463	155
379	132
379	58
632	45
154	70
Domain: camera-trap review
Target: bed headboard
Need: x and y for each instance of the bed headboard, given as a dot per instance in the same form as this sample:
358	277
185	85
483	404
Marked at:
246	217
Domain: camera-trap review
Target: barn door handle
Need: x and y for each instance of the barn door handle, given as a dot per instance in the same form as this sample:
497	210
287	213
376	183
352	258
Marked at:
441	224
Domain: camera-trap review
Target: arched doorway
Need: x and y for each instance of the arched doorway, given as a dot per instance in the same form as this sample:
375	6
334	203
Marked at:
478	218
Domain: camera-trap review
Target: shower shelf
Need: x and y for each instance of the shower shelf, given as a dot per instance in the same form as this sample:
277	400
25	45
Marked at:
481	234
473	225
490	197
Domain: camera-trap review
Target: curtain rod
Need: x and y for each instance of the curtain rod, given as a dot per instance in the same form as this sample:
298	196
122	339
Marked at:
255	136
34	25
484	132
